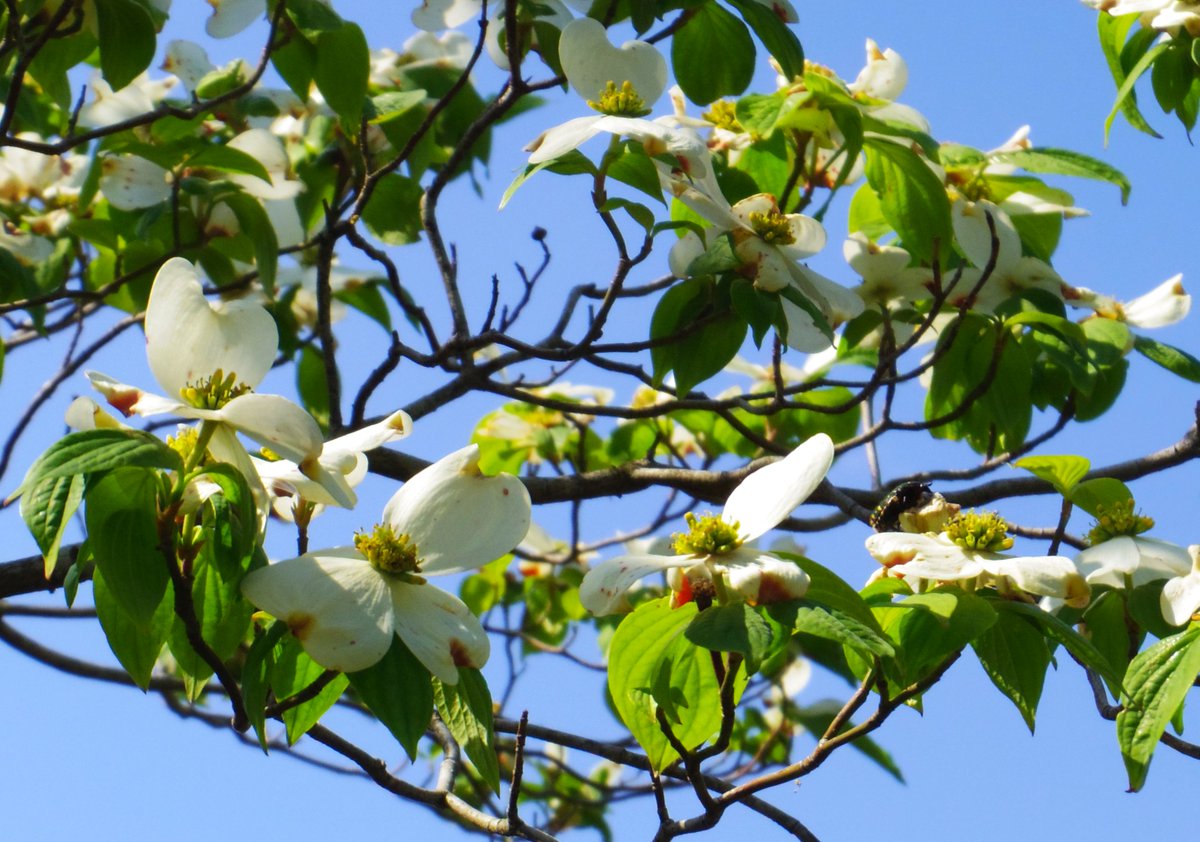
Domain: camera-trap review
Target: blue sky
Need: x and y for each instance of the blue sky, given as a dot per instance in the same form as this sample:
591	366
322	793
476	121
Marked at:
105	762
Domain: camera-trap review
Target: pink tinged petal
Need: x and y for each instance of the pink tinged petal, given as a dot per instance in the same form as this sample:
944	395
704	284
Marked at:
761	577
334	602
277	423
603	588
439	629
590	62
131	183
768	495
188	339
458	518
130	400
970	220
933	557
230	17
1164	305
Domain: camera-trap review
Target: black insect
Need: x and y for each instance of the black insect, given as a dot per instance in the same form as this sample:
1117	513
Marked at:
903	498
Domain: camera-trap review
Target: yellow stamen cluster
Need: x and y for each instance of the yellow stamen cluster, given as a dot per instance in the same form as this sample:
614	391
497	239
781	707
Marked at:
213	392
723	115
707	535
983	531
620	102
388	552
773	227
1117	519
184	442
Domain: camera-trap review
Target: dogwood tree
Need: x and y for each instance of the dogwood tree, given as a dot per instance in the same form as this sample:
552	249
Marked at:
283	216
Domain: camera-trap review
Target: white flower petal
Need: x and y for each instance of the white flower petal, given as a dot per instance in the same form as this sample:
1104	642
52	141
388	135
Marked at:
835	301
603	588
268	150
224	446
970	220
188	61
396	426
1180	597
561	139
436	15
1164	305
131	400
1041	575
802	332
131	183
768	495
761	577
188	339
439	629
277	423
590	62
458	518
230	17
933	557
884	76
683	252
334	601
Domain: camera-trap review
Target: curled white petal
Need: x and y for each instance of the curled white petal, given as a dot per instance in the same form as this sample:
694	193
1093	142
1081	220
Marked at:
603	588
768	495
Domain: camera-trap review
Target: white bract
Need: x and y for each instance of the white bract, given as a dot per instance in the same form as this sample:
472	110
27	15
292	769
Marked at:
1167	15
1180	597
344	604
885	270
1131	560
712	556
621	83
207	358
1164	305
969	551
1011	272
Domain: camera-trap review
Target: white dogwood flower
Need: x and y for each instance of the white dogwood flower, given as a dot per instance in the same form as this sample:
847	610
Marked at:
621	83
344	604
1164	305
713	555
969	550
208	358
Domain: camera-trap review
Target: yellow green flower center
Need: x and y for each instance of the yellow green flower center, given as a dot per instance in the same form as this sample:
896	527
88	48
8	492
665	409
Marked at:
723	115
773	227
395	555
184	442
983	531
213	392
1115	519
707	535
621	101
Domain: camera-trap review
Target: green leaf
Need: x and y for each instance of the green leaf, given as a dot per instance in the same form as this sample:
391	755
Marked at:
1014	655
292	672
1066	162
393	213
92	451
234	522
631	165
256	673
1157	683
466	708
700	352
1169	357
928	634
122	527
1107	626
294	62
779	39
832	624
1113	31
253	220
572	163
136	641
912	198
127	40
1125	90
1091	494
732	628
341	72
1063	472
1064	328
398	690
643	641
313	385
712	55
228	159
827	589
47	508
